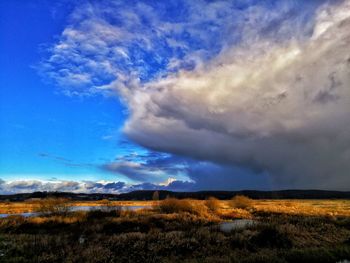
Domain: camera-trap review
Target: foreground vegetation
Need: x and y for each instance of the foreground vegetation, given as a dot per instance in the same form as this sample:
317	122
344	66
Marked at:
182	231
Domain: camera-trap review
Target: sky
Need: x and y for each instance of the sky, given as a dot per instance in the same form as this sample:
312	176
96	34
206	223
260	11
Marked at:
115	96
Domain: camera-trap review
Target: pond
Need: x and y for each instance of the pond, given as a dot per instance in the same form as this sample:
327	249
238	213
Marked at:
80	208
236	224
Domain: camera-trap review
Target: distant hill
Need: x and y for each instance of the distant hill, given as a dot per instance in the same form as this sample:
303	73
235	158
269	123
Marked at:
147	195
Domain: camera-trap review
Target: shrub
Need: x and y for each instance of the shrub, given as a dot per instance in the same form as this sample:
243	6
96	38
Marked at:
105	212
53	206
109	207
173	205
213	204
155	196
273	237
241	201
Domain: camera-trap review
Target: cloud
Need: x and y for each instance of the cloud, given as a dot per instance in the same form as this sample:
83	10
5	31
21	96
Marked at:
153	170
177	186
238	86
212	176
276	107
54	157
105	187
24	186
148	167
114	43
64	161
27	186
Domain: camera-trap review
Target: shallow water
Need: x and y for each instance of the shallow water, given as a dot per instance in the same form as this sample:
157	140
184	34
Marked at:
236	224
79	208
19	214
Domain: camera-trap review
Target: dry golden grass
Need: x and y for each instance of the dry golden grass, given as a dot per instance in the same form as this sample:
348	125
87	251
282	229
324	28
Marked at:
305	207
57	219
241	202
184	231
173	205
152	236
213	204
291	207
33	205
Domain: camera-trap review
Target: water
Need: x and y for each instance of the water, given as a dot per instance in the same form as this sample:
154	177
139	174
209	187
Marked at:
89	208
19	214
80	208
236	224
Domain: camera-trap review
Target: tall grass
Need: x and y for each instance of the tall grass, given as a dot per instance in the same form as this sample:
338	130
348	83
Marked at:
242	202
173	205
53	206
213	204
175	237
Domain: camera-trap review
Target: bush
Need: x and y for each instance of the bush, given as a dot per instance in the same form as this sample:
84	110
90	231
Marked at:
53	206
213	204
104	211
241	201
155	196
173	205
108	206
272	236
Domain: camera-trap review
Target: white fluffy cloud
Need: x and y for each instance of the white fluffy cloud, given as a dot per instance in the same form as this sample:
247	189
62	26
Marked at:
277	107
29	186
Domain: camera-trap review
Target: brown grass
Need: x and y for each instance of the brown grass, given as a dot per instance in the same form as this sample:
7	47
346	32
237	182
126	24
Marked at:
213	204
33	205
183	231
305	207
53	206
290	207
241	202
173	205
147	235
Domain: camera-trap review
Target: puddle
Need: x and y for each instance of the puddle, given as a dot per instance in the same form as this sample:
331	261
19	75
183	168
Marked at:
236	224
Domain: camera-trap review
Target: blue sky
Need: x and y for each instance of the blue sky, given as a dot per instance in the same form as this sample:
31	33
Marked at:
35	117
122	95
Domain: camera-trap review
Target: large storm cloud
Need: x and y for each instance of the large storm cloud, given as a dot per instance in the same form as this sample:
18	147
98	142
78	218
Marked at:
282	108
232	85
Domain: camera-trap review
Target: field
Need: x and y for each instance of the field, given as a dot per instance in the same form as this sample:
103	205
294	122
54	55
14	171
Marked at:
297	207
32	205
180	231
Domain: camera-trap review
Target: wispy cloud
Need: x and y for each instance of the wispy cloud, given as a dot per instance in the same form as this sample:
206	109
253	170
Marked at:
65	161
114	43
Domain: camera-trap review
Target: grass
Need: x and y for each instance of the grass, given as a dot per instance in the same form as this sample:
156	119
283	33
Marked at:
183	231
241	201
305	207
213	204
293	207
33	205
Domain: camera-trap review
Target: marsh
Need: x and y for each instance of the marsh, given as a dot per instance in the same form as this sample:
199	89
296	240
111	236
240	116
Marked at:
183	230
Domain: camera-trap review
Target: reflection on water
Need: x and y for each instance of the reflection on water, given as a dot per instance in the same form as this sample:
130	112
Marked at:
81	208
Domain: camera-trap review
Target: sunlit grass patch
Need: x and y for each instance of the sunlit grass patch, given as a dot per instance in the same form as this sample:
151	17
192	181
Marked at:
173	205
305	207
242	202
